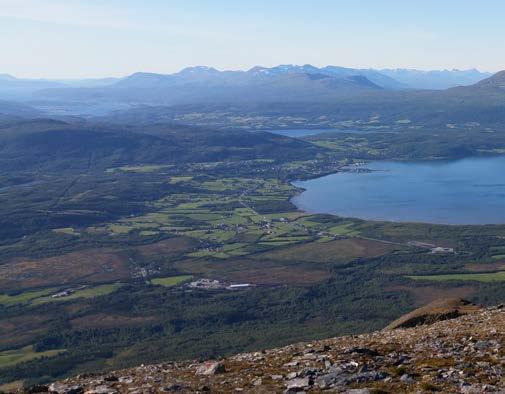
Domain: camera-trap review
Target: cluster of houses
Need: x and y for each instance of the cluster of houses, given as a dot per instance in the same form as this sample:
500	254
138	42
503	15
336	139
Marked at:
433	248
145	272
359	166
440	249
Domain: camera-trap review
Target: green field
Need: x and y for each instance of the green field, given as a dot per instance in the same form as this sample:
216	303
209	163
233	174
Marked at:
89	292
487	277
24	298
225	215
139	169
145	226
66	230
344	229
171	280
16	356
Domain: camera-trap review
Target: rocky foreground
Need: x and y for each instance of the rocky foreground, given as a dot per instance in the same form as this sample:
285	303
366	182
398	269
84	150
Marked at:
463	354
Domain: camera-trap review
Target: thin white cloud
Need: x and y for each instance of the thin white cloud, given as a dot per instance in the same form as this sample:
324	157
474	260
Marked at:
70	12
76	13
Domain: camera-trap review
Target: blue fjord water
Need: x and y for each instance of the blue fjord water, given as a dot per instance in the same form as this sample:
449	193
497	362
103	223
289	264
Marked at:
468	191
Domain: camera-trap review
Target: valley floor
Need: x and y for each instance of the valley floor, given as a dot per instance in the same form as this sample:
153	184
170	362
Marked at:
98	265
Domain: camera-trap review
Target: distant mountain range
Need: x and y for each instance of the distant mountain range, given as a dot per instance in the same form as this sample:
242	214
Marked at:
480	104
12	88
391	78
283	84
332	77
436	80
205	85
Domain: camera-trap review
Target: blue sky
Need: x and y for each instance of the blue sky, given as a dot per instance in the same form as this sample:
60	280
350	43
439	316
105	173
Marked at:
92	38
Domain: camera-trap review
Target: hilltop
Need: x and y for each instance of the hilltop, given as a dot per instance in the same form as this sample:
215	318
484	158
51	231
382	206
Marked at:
464	354
495	81
207	85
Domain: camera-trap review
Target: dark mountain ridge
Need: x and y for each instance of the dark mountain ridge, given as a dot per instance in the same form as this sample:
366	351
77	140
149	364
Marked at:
57	145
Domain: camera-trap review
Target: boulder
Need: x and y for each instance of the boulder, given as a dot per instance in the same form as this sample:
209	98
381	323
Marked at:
210	368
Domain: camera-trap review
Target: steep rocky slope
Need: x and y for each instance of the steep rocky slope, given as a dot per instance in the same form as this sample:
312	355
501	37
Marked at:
464	354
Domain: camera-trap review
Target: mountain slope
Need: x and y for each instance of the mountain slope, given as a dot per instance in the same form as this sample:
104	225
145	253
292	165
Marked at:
59	145
12	88
495	83
375	76
478	105
466	355
206	85
10	110
349	92
333	71
437	79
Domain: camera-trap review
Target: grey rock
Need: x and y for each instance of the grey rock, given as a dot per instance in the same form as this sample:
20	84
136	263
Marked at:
471	389
210	368
58	388
337	377
299	383
328	381
368	376
65	389
309	372
483	345
407	379
101	390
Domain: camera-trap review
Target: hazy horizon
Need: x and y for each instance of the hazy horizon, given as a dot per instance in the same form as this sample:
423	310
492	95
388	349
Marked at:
245	69
55	39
